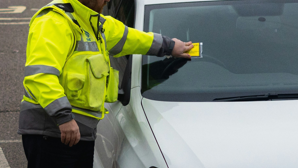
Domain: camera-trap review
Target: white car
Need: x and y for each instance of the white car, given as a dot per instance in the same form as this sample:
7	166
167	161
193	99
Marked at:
234	106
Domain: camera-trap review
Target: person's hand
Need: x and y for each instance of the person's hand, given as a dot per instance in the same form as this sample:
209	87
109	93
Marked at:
70	133
181	48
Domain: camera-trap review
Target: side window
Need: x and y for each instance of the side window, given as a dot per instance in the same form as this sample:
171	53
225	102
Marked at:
125	12
111	8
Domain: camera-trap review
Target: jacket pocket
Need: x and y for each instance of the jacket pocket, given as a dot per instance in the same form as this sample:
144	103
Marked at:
75	85
112	88
85	81
97	72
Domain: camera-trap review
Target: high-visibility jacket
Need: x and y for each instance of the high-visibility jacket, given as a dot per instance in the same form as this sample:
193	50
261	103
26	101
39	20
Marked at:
68	73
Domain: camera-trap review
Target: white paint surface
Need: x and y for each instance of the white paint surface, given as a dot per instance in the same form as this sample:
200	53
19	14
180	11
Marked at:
3	161
10	141
15	18
249	134
14	23
13	9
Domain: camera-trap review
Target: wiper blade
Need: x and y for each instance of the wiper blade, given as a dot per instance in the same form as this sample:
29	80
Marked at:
263	97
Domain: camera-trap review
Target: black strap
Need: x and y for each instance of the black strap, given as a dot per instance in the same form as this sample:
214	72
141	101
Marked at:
65	6
68	10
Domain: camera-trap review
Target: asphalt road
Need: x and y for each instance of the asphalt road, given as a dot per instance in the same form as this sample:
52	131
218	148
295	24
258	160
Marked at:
14	25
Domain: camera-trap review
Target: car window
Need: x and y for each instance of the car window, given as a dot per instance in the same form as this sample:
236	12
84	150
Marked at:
126	13
249	47
112	7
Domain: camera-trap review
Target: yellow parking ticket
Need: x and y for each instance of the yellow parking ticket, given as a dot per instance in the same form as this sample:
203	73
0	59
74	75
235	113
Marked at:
196	50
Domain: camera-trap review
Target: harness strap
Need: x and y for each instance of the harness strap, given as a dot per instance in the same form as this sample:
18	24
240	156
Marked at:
68	10
64	6
102	21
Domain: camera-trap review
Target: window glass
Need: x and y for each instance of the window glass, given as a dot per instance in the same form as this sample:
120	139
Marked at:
126	13
111	8
249	48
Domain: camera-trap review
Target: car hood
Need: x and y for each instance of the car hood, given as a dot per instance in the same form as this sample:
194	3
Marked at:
225	134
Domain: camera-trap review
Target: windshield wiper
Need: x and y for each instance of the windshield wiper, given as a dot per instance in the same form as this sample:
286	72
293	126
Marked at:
263	97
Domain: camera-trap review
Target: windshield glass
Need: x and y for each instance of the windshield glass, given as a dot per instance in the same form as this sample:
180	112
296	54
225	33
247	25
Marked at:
249	48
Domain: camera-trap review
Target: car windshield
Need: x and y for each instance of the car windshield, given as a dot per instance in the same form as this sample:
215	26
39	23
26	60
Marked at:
249	48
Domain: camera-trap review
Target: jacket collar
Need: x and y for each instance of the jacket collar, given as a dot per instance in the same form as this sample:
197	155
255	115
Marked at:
88	16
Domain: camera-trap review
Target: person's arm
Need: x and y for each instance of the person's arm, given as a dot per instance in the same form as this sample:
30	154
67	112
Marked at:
49	42
122	40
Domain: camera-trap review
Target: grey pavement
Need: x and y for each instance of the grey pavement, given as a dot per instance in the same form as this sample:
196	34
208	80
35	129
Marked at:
14	18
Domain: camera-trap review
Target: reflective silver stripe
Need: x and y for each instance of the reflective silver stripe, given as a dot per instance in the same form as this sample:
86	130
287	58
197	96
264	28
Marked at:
156	45
50	4
86	46
104	39
119	46
27	94
70	15
102	21
88	121
31	93
36	69
44	12
94	113
27	105
58	104
72	18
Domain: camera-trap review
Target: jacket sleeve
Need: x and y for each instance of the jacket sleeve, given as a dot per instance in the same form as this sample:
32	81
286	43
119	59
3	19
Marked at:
122	40
49	42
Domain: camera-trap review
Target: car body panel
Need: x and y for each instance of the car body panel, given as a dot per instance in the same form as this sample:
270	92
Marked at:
110	138
226	134
136	74
132	139
164	134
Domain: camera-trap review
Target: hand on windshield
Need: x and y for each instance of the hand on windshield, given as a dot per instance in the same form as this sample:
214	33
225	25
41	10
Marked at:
181	48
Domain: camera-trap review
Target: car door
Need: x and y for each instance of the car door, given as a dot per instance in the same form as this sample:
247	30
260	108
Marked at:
110	136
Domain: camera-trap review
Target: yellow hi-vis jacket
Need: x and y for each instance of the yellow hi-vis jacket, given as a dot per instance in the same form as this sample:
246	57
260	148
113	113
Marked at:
68	72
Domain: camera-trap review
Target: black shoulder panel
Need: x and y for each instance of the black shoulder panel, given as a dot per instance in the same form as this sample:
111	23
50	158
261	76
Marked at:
65	6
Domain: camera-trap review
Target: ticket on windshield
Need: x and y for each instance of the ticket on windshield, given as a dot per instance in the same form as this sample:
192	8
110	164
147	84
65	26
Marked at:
197	50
